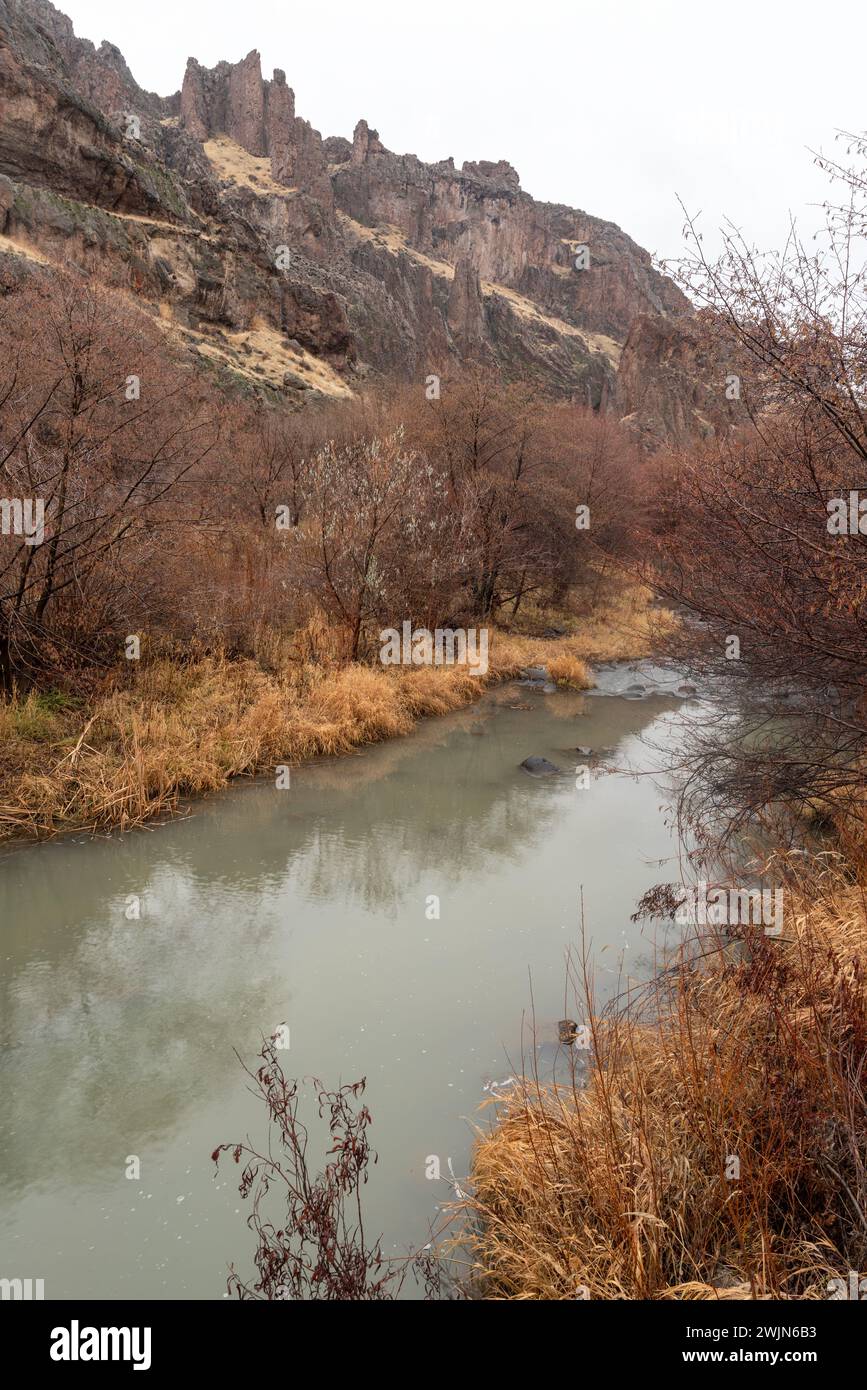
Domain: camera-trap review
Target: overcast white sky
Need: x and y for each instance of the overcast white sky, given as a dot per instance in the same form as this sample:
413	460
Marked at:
613	106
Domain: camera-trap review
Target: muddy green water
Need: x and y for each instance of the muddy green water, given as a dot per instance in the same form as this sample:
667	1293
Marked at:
308	907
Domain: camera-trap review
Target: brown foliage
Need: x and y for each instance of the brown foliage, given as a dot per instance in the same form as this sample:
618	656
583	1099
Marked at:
110	466
205	521
743	538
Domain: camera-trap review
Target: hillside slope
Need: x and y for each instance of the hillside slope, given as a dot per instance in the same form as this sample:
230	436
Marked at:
302	264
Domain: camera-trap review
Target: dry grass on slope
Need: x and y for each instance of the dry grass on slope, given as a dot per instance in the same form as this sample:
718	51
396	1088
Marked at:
171	729
230	161
182	731
625	1189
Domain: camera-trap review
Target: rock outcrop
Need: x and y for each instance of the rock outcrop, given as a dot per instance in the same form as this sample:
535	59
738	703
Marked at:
231	218
465	313
673	383
365	142
7	198
233	100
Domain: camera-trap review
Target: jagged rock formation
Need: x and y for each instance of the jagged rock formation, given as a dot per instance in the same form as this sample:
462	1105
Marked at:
234	101
671	385
285	257
465	315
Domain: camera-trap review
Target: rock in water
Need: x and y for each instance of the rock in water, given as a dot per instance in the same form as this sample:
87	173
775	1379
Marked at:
538	767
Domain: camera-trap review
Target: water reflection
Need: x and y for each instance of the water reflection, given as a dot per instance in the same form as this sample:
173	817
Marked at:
306	906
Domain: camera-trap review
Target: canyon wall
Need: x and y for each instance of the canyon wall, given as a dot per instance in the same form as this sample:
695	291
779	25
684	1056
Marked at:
307	264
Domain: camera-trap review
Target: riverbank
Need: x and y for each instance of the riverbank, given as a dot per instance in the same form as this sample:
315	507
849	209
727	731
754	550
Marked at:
163	729
139	969
717	1149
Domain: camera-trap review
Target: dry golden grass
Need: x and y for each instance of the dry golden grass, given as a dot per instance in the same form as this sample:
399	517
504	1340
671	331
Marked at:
168	730
529	311
621	1188
392	239
22	248
570	671
261	354
612	619
231	161
180	731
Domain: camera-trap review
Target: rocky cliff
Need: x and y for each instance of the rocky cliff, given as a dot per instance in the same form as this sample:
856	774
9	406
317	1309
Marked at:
306	264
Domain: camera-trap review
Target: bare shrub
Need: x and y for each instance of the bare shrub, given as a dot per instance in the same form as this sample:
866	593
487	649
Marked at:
318	1248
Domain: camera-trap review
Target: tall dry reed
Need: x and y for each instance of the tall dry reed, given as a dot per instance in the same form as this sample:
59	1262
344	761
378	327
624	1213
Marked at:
719	1146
